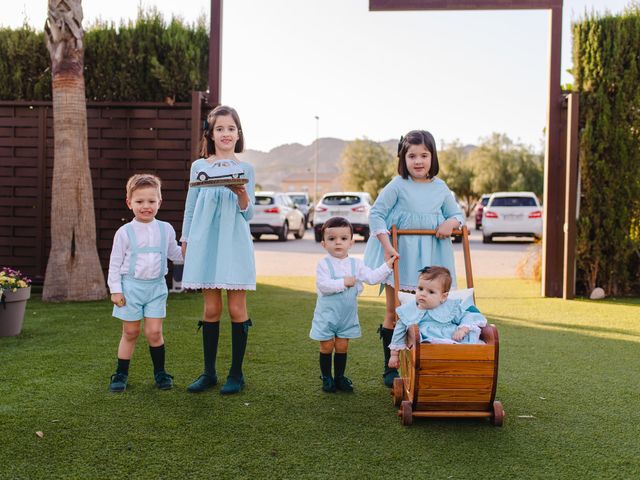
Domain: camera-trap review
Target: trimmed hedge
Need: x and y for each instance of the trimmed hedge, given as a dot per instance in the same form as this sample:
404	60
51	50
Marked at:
143	60
607	74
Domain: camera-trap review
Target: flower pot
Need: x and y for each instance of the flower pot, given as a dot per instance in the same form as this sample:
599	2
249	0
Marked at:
12	307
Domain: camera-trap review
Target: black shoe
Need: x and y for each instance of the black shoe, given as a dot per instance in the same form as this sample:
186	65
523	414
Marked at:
118	382
164	381
344	384
328	385
202	383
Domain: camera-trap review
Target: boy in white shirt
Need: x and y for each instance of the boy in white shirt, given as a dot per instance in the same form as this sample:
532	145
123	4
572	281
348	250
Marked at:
339	282
137	268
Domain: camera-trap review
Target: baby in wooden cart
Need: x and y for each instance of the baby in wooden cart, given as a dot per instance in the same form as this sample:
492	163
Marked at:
439	319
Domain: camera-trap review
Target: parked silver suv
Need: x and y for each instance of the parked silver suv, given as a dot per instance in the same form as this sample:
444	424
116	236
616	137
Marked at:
301	199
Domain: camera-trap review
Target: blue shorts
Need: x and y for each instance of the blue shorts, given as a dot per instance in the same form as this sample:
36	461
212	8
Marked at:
144	299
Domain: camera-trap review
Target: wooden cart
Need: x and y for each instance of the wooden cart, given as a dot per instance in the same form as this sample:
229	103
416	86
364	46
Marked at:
439	380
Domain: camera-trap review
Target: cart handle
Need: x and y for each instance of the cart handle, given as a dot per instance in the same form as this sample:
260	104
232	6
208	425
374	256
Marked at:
395	232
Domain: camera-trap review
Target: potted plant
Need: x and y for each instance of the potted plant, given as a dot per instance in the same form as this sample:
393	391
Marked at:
15	290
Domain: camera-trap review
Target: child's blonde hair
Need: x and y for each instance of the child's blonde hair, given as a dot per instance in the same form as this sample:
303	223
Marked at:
440	274
143	180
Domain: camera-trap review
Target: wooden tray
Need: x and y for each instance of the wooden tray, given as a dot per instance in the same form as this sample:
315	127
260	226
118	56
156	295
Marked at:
219	183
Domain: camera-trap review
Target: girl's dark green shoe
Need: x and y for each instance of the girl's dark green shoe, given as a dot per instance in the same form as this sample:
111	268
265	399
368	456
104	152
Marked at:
202	383
232	385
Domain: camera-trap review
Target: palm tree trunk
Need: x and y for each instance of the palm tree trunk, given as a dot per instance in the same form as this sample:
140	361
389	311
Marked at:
73	270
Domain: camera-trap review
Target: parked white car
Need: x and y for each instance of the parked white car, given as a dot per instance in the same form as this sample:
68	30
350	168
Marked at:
354	206
275	213
512	214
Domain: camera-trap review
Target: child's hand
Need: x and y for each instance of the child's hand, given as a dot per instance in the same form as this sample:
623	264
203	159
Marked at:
394	360
460	333
390	252
118	299
390	261
445	228
349	281
183	247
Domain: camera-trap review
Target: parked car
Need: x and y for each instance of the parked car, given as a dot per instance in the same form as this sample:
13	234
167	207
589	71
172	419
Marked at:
479	208
354	206
510	214
301	199
275	213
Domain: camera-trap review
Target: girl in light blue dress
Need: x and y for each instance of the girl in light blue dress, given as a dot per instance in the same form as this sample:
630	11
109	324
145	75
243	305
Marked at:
415	199
439	319
218	249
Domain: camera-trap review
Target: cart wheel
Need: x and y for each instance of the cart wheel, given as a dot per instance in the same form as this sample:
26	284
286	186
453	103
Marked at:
398	391
498	414
407	416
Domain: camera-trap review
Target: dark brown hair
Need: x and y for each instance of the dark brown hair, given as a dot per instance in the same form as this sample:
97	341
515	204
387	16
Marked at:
207	147
441	274
143	180
336	222
417	137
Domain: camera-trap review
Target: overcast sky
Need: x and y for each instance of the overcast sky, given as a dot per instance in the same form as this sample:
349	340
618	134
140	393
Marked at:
461	75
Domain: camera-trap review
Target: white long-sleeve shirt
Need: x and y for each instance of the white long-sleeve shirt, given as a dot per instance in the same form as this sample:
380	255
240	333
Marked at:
147	264
325	285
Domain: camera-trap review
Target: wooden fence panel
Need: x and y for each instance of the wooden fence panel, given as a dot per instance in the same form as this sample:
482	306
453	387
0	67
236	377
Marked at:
124	138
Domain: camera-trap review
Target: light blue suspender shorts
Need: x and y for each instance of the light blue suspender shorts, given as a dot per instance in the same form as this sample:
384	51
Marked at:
145	298
336	315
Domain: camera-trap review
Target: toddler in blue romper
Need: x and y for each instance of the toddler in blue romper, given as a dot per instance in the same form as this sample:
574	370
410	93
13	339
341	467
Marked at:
339	282
137	268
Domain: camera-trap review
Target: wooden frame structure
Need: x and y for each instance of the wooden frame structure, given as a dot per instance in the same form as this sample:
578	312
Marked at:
554	254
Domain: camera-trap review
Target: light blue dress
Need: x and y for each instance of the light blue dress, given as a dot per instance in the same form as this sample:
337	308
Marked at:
438	324
219	246
336	315
413	205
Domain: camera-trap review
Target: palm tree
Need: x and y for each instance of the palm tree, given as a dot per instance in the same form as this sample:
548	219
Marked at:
73	271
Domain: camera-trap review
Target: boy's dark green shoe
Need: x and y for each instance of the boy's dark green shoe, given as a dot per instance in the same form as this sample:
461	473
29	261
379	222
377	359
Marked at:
344	384
164	381
328	385
202	383
389	375
232	385
118	382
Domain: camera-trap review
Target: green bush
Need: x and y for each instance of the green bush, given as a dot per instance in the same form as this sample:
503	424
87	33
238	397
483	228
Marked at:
143	60
607	74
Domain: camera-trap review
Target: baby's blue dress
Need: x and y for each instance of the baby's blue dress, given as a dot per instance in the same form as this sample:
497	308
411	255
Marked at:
219	246
438	324
413	205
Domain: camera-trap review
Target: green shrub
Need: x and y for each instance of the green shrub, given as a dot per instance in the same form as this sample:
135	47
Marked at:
607	74
143	60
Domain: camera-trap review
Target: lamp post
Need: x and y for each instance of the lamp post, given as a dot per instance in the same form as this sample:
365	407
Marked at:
315	168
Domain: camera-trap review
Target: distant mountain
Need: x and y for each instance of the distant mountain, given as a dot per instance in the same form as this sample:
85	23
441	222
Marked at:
296	159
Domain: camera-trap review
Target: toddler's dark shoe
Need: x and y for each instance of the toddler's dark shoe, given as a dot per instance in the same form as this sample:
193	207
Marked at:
344	384
118	382
389	375
164	381
202	383
232	385
328	385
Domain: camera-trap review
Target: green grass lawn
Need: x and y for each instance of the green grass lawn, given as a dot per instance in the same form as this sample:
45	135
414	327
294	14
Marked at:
568	382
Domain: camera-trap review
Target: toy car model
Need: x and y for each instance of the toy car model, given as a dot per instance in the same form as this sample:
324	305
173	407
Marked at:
220	172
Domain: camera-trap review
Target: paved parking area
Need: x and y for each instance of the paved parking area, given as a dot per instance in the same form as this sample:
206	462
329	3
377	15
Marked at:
299	257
